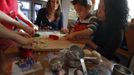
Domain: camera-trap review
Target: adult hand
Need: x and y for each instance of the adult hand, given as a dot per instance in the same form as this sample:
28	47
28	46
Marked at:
36	28
26	35
29	30
24	41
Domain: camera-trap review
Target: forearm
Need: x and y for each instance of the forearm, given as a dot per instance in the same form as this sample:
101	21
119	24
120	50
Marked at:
84	32
25	19
7	19
7	34
92	45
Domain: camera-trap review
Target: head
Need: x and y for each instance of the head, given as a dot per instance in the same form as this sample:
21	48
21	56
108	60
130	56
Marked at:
82	7
53	5
115	13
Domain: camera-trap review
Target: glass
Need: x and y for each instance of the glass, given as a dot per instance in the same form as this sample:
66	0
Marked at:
121	70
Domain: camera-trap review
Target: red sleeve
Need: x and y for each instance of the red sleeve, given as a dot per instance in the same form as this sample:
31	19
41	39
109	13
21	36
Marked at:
13	7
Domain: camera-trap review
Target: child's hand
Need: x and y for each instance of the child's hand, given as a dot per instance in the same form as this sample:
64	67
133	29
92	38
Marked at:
70	36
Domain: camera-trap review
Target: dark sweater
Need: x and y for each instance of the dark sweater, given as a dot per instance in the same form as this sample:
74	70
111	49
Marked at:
42	20
108	40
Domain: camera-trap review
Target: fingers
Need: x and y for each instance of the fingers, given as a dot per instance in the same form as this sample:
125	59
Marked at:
36	28
65	30
26	35
29	30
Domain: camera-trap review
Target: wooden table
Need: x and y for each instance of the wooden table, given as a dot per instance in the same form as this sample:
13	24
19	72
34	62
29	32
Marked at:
53	46
42	58
46	66
50	44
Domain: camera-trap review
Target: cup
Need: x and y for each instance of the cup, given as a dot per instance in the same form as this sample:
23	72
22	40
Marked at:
121	70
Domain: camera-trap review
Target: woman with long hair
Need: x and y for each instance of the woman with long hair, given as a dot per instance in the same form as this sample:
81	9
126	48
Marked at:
112	19
50	18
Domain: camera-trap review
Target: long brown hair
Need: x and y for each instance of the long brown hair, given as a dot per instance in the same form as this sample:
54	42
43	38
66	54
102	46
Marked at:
49	9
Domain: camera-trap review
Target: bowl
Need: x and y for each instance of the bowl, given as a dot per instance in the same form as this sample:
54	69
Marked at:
73	56
121	70
56	64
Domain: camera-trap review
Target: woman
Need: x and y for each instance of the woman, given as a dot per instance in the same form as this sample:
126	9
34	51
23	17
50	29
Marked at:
86	23
112	16
50	18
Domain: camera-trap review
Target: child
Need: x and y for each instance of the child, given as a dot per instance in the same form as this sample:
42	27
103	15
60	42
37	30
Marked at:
86	23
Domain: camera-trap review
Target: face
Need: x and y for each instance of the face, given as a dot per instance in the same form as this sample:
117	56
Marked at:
82	11
54	4
101	11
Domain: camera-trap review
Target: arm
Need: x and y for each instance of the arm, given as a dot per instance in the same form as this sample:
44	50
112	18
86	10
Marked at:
6	18
7	34
72	35
84	32
108	45
26	20
91	27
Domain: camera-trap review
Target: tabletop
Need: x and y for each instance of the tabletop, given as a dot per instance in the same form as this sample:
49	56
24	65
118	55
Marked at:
45	43
103	68
52	49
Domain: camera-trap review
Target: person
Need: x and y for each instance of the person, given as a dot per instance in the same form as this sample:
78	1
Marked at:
112	18
86	23
50	18
8	39
10	8
8	14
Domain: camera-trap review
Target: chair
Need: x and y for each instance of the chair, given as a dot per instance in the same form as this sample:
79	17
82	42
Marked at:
131	66
127	54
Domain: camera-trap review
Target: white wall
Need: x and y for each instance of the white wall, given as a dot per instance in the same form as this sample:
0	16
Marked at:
65	10
131	8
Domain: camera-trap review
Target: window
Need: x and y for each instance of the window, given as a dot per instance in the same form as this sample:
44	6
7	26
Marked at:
37	7
131	8
25	8
26	5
